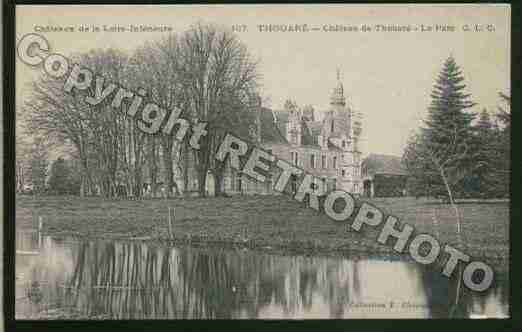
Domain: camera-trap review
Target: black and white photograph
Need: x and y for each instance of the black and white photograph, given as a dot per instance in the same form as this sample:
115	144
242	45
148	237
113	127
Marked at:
293	162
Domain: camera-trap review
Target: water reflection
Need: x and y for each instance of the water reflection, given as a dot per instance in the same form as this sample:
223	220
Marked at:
71	279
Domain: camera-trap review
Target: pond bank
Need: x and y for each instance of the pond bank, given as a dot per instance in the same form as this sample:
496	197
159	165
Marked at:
266	223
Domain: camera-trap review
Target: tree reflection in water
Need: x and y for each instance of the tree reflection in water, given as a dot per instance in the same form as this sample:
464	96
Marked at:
129	280
441	294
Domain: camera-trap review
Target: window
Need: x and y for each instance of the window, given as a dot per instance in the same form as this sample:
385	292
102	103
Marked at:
344	143
324	185
343	172
239	183
312	161
323	162
294	156
356	188
332	126
334	162
293	136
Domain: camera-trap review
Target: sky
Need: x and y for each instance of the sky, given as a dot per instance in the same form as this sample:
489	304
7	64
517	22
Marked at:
387	76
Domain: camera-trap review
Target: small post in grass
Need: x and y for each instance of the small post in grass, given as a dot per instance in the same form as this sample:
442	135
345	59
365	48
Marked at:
40	227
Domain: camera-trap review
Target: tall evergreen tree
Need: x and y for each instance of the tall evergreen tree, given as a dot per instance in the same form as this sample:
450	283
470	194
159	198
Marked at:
502	159
491	175
482	181
442	154
448	120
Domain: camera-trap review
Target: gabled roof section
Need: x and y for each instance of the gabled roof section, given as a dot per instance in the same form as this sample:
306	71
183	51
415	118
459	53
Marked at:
307	137
385	164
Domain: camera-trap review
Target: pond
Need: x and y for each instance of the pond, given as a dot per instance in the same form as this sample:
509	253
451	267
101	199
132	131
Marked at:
68	278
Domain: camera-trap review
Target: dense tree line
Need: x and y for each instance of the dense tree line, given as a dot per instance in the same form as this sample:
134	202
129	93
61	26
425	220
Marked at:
63	178
32	161
205	72
458	153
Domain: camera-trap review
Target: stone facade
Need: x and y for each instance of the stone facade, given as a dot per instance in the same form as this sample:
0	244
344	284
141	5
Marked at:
328	149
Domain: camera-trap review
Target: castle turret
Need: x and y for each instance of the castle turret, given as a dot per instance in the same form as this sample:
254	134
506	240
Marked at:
337	121
337	97
293	126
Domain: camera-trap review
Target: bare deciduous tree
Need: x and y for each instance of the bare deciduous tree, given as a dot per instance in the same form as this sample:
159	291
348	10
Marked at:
207	73
219	79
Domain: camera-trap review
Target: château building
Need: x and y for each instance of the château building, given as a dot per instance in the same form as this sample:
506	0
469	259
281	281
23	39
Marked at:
327	149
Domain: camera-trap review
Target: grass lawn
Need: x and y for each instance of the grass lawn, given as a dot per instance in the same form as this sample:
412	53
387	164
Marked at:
275	222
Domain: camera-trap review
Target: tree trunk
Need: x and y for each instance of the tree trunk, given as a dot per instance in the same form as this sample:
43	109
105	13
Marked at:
167	161
459	238
138	183
86	182
82	185
138	171
185	157
153	167
202	177
202	158
219	176
218	183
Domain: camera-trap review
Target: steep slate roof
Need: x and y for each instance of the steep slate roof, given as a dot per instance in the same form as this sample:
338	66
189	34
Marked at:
307	138
315	127
270	132
282	119
334	147
307	134
385	164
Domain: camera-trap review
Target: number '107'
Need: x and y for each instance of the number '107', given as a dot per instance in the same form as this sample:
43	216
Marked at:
239	27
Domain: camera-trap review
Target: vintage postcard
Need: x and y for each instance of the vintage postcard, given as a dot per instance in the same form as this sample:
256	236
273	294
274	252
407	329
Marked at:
262	161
